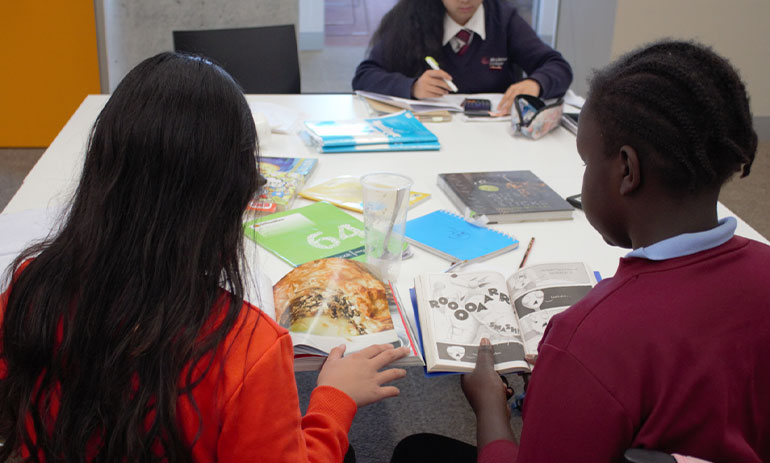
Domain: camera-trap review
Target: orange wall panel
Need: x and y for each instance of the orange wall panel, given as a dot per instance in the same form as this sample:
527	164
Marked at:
48	64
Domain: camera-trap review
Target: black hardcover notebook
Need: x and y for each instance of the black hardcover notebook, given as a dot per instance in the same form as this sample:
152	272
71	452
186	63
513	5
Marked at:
504	196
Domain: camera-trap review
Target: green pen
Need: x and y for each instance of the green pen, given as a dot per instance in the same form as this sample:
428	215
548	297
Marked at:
434	65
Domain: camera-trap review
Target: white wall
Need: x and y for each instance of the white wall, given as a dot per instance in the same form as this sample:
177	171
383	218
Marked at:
738	30
136	29
311	25
584	37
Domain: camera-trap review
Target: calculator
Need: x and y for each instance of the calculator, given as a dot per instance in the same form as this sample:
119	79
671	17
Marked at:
477	107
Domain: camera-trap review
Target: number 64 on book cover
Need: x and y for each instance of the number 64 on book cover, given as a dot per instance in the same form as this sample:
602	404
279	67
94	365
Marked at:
309	233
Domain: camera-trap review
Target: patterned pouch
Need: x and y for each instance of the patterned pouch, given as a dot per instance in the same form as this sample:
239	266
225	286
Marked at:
533	118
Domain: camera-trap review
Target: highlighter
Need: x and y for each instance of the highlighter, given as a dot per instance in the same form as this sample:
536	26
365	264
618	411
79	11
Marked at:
434	65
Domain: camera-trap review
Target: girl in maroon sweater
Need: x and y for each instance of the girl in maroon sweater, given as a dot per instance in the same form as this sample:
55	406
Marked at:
671	352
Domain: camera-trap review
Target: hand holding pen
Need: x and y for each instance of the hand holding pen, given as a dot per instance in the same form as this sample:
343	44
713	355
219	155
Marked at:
433	83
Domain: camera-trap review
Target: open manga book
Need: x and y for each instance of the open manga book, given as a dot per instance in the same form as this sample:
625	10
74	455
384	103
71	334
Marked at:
328	302
456	310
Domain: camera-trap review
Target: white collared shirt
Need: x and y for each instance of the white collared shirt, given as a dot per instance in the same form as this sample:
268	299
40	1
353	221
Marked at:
688	243
476	25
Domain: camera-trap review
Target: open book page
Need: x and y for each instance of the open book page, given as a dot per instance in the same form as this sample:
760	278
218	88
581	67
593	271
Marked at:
541	291
456	310
416	106
328	302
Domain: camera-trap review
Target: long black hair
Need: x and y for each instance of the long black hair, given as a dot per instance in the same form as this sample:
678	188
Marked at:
103	318
410	31
686	105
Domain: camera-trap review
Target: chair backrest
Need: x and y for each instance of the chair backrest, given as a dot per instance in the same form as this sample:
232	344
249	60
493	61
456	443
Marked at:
653	456
261	59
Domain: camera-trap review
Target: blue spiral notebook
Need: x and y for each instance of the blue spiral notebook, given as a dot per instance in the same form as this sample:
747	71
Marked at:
455	239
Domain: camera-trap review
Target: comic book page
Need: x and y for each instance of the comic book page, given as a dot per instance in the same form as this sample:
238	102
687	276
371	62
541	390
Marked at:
541	291
456	310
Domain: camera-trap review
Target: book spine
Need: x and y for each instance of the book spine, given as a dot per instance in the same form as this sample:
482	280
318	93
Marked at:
412	146
449	191
430	249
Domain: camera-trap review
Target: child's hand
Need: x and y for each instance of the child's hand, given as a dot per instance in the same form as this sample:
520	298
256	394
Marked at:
488	396
358	375
484	388
431	84
526	87
531	359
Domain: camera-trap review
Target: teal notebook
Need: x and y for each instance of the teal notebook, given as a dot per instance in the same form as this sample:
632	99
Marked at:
453	238
394	132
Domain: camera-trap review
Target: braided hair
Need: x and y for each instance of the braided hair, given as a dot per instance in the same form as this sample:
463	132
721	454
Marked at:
683	107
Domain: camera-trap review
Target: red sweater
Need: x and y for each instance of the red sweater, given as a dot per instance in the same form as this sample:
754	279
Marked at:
254	415
672	355
250	412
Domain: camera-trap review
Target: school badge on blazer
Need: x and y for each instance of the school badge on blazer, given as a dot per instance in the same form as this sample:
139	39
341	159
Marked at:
494	62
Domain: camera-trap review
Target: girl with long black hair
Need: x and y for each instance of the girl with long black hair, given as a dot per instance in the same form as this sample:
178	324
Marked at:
125	336
480	45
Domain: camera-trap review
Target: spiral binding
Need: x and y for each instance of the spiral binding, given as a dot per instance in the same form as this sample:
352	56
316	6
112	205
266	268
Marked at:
473	222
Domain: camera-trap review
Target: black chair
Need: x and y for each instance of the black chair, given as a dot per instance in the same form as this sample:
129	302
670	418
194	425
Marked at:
647	456
261	59
653	456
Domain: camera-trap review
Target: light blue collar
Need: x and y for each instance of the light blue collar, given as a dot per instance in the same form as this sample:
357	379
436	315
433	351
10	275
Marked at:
688	243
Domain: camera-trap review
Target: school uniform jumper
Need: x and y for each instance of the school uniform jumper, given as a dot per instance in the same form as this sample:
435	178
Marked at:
249	410
486	67
668	354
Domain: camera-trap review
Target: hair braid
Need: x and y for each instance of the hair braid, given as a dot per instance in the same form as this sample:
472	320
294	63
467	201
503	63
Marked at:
681	118
685	107
667	134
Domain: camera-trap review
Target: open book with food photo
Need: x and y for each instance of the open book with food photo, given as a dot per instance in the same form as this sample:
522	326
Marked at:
456	310
328	302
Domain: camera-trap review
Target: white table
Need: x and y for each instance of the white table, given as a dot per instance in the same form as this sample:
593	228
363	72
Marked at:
466	146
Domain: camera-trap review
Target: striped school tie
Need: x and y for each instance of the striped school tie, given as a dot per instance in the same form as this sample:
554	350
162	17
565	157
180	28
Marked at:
464	36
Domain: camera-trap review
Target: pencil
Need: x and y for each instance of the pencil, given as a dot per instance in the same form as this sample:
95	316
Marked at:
456	265
526	253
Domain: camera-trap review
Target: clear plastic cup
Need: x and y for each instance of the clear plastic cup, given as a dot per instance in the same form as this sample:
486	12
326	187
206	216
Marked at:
386	200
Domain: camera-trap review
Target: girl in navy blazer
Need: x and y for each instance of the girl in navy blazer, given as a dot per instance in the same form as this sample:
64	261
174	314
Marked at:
498	43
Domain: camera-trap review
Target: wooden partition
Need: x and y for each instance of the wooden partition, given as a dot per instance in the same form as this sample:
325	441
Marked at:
48	64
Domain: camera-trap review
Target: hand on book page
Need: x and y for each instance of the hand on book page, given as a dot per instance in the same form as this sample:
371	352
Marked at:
358	375
483	387
488	396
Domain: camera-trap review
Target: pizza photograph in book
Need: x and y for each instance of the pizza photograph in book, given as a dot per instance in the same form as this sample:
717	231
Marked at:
328	302
457	310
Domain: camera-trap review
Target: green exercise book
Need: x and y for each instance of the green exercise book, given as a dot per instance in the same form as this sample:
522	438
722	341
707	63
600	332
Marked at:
308	233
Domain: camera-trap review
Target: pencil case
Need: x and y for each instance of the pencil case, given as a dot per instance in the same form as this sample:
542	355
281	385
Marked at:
533	117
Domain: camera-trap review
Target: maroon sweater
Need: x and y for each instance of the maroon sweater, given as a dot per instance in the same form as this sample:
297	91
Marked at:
672	355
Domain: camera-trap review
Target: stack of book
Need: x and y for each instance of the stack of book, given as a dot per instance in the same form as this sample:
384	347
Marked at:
285	177
395	132
425	110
